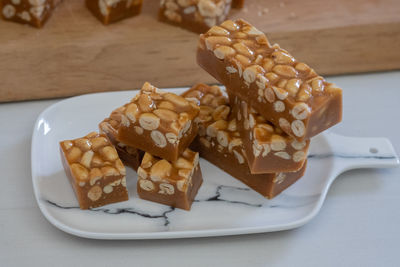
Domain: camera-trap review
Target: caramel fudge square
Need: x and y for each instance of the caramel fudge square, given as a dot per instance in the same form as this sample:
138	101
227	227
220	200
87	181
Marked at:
158	122
109	11
269	185
130	156
96	173
174	184
217	130
194	15
32	12
287	92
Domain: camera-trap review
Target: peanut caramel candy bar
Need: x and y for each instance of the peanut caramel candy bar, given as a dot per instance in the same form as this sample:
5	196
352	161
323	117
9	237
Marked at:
32	12
216	130
220	142
194	15
130	156
96	173
174	184
287	92
158	122
109	11
214	110
268	185
268	148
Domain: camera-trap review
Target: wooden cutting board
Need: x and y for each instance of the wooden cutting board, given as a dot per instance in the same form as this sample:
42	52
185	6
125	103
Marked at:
75	54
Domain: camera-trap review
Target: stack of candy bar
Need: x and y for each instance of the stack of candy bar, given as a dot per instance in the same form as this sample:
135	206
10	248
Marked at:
258	131
277	104
160	124
32	12
109	11
196	15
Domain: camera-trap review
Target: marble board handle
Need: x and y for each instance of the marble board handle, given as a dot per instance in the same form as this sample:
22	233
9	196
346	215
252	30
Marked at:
362	152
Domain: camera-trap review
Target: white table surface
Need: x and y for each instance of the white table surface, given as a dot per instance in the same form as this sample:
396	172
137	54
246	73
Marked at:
358	225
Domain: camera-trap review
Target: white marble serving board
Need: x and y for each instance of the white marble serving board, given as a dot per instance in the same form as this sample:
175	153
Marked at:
223	206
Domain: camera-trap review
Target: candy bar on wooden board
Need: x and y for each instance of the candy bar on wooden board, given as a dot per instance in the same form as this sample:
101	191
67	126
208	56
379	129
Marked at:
109	11
194	15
